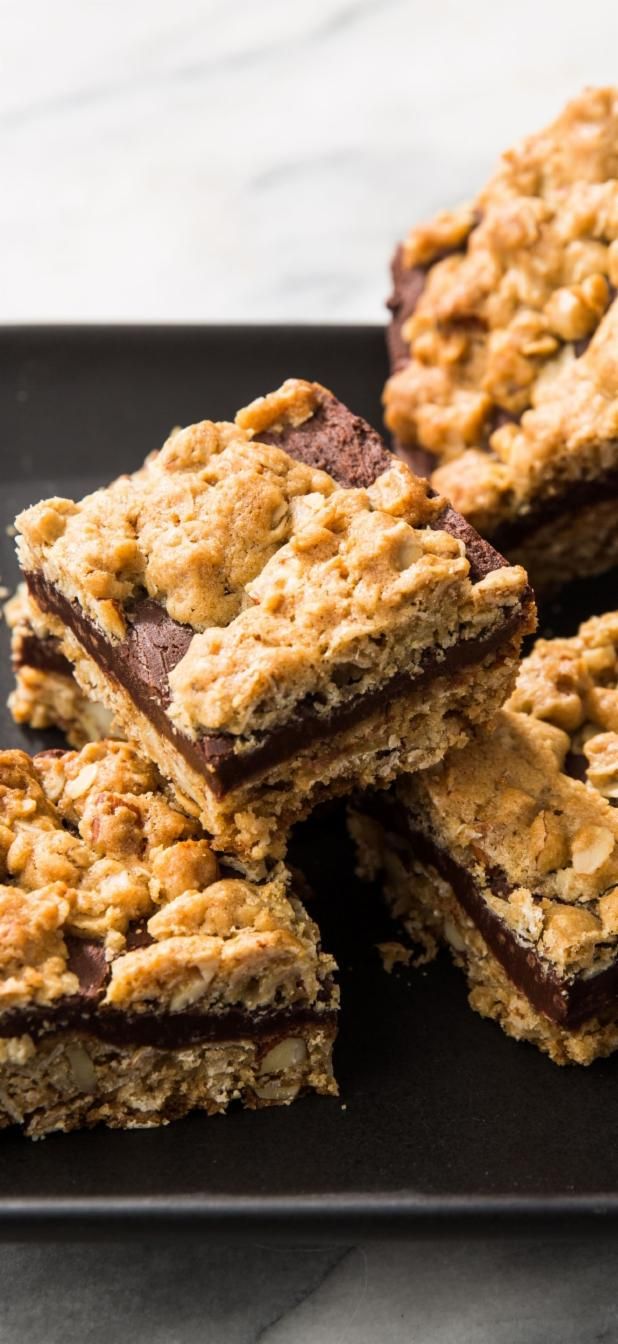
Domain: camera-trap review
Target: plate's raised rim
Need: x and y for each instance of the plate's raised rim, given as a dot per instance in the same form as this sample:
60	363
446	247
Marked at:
305	1218
182	328
308	1218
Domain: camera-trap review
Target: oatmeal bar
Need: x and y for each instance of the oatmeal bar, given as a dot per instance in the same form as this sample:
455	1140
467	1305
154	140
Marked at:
138	981
268	632
508	851
503	347
46	694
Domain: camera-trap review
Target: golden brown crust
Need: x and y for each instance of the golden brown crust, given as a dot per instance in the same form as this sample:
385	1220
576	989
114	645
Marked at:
292	586
506	804
89	844
497	326
72	1079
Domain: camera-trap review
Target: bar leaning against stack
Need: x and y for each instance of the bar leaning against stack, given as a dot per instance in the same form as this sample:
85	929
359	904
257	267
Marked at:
508	851
503	341
271	633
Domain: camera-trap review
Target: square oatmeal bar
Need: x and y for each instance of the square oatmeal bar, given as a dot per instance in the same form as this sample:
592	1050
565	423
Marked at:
269	632
138	979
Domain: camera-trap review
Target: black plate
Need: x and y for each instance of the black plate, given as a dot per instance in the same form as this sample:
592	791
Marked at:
442	1120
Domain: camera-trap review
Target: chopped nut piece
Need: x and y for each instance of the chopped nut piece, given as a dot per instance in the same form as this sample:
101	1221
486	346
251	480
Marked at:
591	848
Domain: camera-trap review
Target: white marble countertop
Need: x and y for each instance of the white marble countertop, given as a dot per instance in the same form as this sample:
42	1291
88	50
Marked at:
199	160
202	160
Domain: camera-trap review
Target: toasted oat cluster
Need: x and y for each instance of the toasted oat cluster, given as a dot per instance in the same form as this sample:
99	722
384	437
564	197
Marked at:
573	684
511	378
90	849
290	585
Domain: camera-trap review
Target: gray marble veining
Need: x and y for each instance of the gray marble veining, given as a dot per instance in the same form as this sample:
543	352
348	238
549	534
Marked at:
201	160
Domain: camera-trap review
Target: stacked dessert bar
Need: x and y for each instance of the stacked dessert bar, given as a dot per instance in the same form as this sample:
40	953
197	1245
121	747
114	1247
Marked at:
267	636
267	614
277	611
140	978
503	349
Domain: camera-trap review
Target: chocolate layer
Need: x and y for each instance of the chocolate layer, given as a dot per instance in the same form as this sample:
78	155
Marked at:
578	495
408	285
568	1001
172	1031
85	1011
42	653
142	668
336	441
353	453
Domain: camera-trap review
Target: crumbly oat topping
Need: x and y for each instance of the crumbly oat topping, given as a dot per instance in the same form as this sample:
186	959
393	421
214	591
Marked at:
531	273
508	804
291	585
350	600
191	528
89	845
573	684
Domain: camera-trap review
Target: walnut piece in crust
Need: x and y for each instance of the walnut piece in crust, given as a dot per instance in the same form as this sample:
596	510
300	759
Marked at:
497	387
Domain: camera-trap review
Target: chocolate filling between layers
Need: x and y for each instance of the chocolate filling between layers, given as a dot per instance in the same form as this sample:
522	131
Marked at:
408	285
578	495
84	1011
41	652
567	1001
334	439
354	454
154	644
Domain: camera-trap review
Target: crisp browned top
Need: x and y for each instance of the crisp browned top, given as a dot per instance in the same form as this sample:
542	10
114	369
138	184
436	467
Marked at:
89	845
502	321
292	585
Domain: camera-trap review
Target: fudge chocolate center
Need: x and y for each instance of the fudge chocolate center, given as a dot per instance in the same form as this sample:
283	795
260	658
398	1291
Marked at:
142	669
336	441
84	1011
568	1001
43	653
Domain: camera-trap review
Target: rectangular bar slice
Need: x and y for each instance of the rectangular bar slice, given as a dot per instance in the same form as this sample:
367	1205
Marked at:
508	851
267	636
503	341
46	694
138	981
